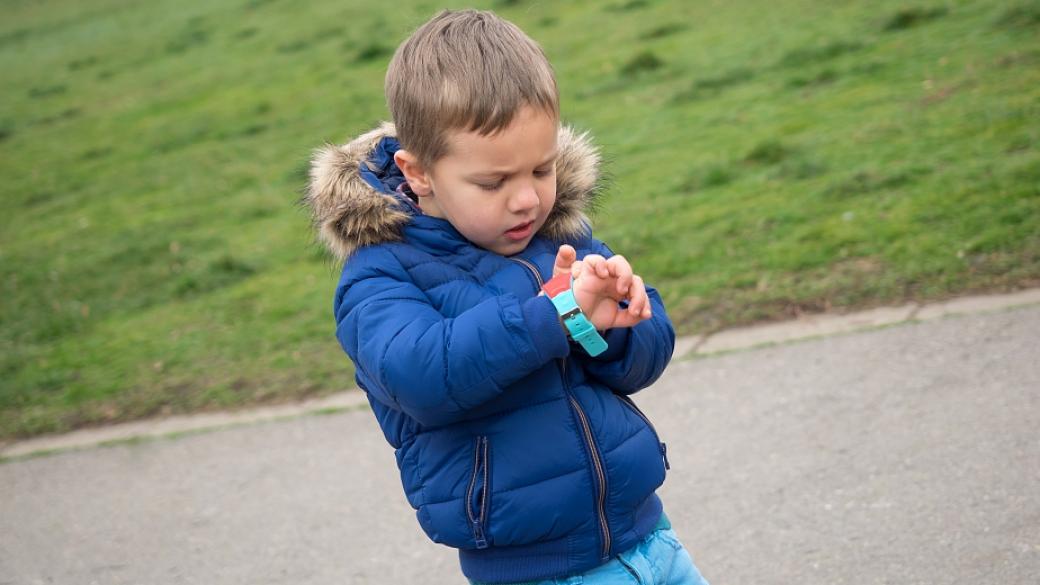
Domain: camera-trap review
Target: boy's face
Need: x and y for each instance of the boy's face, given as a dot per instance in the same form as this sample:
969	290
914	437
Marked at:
496	190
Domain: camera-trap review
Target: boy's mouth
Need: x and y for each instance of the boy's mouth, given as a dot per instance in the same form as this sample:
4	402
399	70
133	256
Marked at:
521	231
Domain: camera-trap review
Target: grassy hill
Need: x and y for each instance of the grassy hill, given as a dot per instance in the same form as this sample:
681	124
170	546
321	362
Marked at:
767	158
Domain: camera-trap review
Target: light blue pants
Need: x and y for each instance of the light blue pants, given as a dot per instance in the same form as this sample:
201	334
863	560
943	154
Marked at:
658	559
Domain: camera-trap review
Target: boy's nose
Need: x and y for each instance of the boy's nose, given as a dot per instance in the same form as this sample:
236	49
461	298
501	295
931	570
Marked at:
525	198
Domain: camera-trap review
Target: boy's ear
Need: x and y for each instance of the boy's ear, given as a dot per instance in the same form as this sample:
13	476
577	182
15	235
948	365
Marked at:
414	172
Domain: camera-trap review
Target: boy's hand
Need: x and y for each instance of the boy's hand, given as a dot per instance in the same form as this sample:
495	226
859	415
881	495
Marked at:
601	283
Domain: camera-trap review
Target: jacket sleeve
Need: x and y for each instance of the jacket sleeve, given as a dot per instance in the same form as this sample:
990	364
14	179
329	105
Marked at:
431	367
636	356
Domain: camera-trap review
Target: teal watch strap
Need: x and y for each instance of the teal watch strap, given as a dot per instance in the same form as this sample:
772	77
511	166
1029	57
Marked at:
574	320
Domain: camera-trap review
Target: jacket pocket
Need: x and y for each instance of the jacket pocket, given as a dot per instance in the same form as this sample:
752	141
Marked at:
627	401
478	493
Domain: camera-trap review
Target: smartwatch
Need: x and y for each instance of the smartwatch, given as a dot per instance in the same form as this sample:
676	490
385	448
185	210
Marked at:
560	292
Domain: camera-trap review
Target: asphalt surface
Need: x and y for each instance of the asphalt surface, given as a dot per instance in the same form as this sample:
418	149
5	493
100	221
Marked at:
903	455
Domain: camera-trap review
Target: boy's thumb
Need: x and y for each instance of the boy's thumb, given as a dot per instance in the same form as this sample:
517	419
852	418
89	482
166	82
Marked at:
565	257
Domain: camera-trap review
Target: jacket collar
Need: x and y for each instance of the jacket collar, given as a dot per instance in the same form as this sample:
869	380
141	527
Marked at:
353	204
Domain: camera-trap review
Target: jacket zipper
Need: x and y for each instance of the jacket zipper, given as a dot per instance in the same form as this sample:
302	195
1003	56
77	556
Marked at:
601	475
534	271
597	464
478	519
660	444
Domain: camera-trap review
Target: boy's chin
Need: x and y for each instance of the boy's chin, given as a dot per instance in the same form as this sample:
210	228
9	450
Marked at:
508	248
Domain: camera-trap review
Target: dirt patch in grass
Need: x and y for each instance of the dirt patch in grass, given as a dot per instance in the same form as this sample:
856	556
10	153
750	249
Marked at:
664	30
912	17
705	87
864	182
627	6
373	51
643	62
194	34
815	54
943	93
768	152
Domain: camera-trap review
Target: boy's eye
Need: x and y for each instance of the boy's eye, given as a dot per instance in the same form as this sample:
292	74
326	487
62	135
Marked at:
490	186
543	172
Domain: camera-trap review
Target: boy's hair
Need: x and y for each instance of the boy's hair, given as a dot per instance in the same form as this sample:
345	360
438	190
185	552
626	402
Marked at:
467	70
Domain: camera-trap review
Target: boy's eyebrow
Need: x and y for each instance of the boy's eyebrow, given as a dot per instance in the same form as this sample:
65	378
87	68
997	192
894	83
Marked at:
506	172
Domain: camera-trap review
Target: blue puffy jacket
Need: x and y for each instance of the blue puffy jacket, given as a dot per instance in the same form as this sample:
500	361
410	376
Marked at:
514	446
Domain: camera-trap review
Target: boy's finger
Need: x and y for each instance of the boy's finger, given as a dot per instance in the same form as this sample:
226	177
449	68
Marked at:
596	264
619	260
639	305
635	303
647	309
591	260
624	284
565	258
634	308
623	271
625	319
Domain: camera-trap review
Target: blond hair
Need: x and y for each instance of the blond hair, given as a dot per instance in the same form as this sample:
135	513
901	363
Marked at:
465	70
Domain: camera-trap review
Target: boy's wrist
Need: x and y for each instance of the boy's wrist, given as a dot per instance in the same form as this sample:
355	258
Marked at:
560	291
559	319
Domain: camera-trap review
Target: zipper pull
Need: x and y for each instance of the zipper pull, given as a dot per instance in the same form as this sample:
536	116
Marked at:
478	534
664	453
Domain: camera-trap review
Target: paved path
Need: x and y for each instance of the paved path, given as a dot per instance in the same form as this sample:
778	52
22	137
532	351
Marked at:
909	454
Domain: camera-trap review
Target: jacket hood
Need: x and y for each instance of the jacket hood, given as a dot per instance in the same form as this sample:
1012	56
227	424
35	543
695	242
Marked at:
352	201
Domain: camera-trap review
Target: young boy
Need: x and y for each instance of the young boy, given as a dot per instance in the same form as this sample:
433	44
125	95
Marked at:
498	364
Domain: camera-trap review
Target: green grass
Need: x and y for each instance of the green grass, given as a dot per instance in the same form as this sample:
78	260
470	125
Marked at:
768	159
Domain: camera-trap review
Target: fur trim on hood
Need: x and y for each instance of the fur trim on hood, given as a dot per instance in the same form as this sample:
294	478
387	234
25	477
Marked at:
348	213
